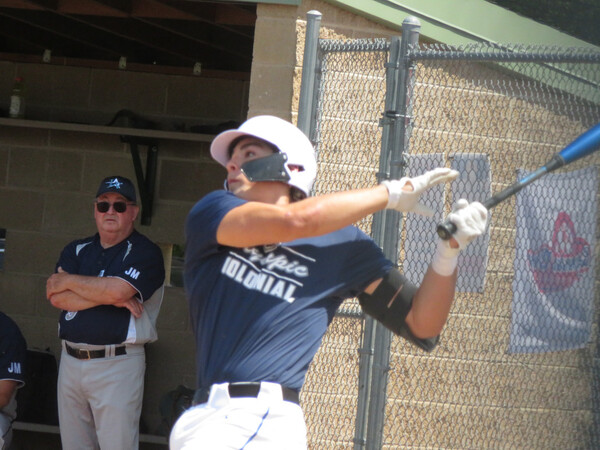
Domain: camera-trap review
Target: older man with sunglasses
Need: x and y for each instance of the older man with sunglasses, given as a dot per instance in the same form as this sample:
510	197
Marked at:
109	287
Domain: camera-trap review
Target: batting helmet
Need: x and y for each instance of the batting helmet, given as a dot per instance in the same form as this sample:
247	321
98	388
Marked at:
295	165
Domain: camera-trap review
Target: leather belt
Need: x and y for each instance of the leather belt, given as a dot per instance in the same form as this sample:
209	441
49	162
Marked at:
246	389
81	353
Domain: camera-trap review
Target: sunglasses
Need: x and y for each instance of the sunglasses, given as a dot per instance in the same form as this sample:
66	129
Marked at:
119	207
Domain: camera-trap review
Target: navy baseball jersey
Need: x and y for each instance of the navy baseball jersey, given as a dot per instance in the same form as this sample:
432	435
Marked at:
13	350
259	313
13	353
136	260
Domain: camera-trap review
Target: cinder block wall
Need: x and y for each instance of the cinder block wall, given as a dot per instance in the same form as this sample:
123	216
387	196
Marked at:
48	180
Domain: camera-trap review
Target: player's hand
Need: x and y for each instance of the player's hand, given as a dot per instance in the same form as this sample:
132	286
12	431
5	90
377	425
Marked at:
404	194
470	220
134	306
56	283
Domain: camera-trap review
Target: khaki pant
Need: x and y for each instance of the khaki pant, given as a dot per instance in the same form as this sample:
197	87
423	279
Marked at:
100	401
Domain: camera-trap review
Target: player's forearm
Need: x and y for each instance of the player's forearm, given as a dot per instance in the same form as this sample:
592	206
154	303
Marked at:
7	387
98	290
257	223
70	301
4	400
431	304
327	213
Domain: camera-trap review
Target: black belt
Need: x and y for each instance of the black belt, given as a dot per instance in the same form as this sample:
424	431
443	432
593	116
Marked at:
246	389
81	353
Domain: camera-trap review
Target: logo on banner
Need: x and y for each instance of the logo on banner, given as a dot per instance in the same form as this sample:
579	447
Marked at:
558	266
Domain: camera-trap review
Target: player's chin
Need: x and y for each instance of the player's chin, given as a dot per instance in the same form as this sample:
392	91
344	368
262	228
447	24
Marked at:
110	224
238	189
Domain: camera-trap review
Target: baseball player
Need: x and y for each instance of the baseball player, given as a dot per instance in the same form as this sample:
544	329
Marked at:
109	287
266	268
13	352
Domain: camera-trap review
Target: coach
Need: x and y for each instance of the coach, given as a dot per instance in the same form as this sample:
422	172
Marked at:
109	287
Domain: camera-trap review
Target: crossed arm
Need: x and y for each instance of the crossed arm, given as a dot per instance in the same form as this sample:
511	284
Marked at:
72	292
7	388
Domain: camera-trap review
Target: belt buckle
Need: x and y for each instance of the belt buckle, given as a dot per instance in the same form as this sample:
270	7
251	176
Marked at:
87	352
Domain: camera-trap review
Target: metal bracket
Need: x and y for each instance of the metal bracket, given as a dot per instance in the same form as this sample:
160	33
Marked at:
391	116
147	183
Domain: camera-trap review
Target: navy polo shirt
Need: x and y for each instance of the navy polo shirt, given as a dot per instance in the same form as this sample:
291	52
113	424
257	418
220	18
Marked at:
136	260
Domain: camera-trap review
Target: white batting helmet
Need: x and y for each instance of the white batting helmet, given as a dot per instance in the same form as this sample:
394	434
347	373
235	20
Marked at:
289	140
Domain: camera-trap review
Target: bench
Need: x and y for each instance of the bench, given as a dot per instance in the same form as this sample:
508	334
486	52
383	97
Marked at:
53	429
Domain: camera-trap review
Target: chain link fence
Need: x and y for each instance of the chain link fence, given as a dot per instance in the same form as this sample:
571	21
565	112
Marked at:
495	113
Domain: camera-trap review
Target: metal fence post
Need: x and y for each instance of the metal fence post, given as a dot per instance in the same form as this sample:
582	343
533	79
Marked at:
367	394
394	142
308	93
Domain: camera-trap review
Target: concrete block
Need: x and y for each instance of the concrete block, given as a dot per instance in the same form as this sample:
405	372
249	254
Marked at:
183	181
47	85
69	214
113	90
280	51
21	209
172	149
19	294
64	170
79	141
167	222
42	331
267	93
275	11
40	259
23	137
210	100
27	167
3	166
174	314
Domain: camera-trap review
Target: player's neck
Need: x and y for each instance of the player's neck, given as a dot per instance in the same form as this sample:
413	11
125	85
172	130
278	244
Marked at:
272	192
109	239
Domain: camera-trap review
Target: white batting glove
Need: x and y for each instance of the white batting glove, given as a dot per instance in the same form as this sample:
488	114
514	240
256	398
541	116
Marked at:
470	220
408	201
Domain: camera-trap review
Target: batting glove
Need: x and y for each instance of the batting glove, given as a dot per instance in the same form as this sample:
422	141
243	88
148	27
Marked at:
408	201
470	220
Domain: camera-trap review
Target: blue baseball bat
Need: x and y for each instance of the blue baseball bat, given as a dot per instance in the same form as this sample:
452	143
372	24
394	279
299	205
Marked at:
584	145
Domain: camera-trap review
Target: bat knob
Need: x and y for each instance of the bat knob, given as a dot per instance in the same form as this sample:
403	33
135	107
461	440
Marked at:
446	230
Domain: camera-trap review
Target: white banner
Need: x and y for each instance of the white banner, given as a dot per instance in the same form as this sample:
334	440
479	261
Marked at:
473	184
553	287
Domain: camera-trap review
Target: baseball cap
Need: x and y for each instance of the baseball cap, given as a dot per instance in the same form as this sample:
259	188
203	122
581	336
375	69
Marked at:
118	185
284	135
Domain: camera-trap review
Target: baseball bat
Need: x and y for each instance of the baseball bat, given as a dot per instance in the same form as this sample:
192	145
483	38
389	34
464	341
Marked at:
583	145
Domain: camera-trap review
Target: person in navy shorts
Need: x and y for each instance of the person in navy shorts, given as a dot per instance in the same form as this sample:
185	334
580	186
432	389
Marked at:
109	288
13	354
266	268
